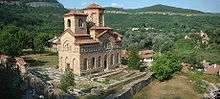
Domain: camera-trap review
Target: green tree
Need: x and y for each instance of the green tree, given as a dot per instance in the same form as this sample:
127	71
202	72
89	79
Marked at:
10	81
165	65
67	80
133	58
40	42
13	40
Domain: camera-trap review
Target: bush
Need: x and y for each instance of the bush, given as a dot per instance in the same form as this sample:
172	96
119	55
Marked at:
165	65
67	80
133	58
200	86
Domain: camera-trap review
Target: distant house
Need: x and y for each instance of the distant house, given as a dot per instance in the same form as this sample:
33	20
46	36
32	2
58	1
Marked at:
145	55
204	37
54	42
124	54
3	58
20	63
213	69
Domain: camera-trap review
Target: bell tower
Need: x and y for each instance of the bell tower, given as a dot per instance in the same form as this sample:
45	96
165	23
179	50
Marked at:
95	14
76	22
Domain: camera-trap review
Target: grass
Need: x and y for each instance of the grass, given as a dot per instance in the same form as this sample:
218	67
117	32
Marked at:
179	87
42	60
199	75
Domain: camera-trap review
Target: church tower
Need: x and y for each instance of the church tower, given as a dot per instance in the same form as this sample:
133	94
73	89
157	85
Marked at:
76	22
95	14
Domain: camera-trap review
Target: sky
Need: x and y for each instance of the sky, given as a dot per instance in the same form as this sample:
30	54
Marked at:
201	5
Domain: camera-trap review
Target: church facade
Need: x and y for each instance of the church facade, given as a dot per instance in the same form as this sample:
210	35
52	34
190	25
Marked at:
87	46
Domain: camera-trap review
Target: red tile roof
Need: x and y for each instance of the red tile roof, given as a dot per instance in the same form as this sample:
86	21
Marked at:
143	54
124	54
3	57
213	69
100	28
20	61
99	35
86	41
146	54
74	13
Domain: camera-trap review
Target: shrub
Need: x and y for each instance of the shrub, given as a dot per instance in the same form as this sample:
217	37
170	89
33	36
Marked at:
165	65
133	58
67	80
200	86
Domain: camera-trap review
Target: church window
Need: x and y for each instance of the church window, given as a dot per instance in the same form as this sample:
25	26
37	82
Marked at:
85	64
111	59
80	23
92	63
68	23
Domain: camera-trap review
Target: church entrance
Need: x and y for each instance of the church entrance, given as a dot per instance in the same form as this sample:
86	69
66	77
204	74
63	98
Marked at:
105	62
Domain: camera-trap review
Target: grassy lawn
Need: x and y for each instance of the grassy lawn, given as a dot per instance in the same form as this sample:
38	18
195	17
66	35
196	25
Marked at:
42	60
179	87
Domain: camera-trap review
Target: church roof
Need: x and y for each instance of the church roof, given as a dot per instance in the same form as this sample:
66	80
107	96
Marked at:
74	13
94	6
81	39
86	41
99	35
100	28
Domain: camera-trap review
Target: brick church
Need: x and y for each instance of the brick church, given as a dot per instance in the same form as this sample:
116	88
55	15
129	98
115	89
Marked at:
87	46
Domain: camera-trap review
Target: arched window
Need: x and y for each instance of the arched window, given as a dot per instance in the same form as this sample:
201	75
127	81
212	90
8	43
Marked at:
92	62
80	23
111	59
116	58
85	64
68	23
67	62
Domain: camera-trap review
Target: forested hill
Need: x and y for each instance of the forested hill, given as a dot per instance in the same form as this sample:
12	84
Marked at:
33	19
156	8
33	3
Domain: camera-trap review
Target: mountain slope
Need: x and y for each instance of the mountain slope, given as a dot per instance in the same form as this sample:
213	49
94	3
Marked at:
33	19
34	3
156	8
164	8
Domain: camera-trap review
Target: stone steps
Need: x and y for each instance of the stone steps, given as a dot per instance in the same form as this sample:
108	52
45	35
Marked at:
106	73
126	81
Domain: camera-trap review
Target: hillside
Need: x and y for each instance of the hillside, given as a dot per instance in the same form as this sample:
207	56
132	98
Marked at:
34	3
156	8
164	8
33	19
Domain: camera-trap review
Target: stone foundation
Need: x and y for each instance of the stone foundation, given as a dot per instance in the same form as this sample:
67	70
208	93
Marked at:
131	89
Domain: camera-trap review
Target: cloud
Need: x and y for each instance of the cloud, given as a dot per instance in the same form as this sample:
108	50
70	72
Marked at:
116	5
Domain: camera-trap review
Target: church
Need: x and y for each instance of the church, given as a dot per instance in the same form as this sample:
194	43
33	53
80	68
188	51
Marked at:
87	46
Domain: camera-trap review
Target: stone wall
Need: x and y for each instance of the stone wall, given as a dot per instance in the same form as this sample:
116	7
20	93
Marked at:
131	89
